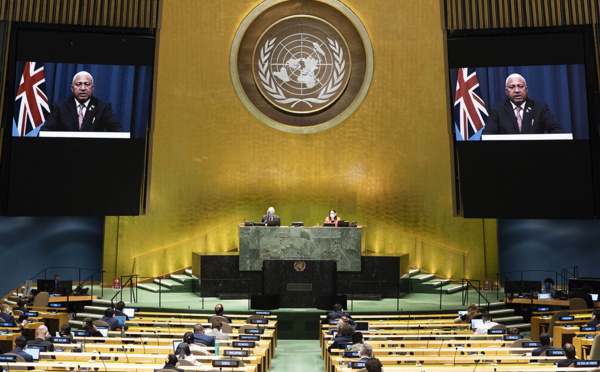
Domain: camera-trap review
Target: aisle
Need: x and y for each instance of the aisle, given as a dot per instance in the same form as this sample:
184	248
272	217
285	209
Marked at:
297	355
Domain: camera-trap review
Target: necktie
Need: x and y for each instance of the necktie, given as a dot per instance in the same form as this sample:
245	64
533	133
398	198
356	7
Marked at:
81	116
518	114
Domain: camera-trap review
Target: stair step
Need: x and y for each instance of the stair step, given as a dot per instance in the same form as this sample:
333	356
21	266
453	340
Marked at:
189	272
151	287
454	289
423	277
436	283
102	302
99	309
180	278
502	313
94	316
508	320
411	273
168	283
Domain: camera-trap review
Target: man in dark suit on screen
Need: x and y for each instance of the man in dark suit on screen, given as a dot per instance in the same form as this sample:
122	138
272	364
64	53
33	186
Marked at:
519	114
82	112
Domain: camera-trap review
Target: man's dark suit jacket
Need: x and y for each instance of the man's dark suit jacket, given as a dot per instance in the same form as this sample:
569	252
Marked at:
7	318
542	349
18	351
41	342
99	116
265	218
117	312
566	362
537	119
204	339
113	323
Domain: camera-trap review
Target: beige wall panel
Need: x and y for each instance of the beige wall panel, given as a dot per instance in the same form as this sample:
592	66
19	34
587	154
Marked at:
215	165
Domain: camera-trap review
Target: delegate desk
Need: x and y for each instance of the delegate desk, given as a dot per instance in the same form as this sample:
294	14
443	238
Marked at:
258	244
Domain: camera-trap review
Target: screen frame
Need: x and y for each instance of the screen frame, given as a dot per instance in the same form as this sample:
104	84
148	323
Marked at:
587	199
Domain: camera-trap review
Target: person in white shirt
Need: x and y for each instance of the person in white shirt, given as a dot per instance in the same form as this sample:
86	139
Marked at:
216	326
487	324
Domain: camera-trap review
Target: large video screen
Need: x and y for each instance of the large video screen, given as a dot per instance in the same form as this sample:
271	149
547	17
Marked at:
76	120
523	104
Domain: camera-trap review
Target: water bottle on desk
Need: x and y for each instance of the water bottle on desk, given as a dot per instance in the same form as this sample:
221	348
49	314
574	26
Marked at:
216	348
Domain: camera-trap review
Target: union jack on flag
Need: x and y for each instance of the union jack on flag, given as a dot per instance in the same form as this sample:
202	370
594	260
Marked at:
469	108
31	102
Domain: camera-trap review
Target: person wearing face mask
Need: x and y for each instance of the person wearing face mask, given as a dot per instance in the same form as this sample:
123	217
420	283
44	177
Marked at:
333	218
549	287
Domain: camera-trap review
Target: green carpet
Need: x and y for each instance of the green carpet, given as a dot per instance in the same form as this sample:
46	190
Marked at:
297	355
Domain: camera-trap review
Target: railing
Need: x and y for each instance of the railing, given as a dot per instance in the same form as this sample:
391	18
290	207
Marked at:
60	270
209	291
562	277
398	291
465	293
132	283
166	260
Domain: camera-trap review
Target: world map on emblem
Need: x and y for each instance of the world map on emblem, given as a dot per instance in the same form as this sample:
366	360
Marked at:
301	64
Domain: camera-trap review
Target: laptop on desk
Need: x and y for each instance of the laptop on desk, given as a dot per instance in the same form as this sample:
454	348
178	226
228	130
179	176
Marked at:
544	296
103	330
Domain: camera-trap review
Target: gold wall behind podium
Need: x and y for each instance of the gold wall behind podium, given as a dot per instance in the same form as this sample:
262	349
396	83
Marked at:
215	165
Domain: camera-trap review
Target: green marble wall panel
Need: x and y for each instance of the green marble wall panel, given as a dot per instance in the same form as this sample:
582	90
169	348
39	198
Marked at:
342	244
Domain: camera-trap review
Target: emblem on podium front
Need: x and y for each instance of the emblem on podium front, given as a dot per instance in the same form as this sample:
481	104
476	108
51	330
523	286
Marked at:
301	72
299	265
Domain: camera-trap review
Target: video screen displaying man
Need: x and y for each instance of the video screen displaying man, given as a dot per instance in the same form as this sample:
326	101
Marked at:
514	100
82	112
81	100
519	114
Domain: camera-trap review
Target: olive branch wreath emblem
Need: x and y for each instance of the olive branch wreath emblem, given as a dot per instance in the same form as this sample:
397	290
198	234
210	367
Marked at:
268	82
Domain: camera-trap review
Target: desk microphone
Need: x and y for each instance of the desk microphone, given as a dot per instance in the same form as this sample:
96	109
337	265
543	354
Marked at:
157	338
142	342
428	339
455	352
440	349
126	356
102	359
190	311
476	364
169	328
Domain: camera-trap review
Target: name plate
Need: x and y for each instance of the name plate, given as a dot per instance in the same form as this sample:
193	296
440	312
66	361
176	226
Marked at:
300	287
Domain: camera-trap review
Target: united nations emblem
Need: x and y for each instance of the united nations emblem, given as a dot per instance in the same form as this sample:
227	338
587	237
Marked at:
301	64
299	265
301	73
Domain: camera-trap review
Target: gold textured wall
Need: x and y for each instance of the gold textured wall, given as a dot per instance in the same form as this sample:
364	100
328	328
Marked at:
214	164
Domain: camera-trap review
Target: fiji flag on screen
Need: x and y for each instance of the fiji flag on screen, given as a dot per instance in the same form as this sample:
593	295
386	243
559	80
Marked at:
469	108
31	102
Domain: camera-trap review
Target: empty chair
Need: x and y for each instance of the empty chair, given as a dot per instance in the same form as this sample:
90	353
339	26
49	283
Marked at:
17	312
185	362
517	344
249	320
41	299
221	318
595	350
243	328
499	326
577	304
555	318
20	359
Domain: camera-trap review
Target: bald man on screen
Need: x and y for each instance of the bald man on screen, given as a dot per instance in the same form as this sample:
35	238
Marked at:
519	114
82	112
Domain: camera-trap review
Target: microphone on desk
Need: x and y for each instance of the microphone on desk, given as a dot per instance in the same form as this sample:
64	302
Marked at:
455	352
440	349
190	311
102	360
476	364
428	339
157	338
142	342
